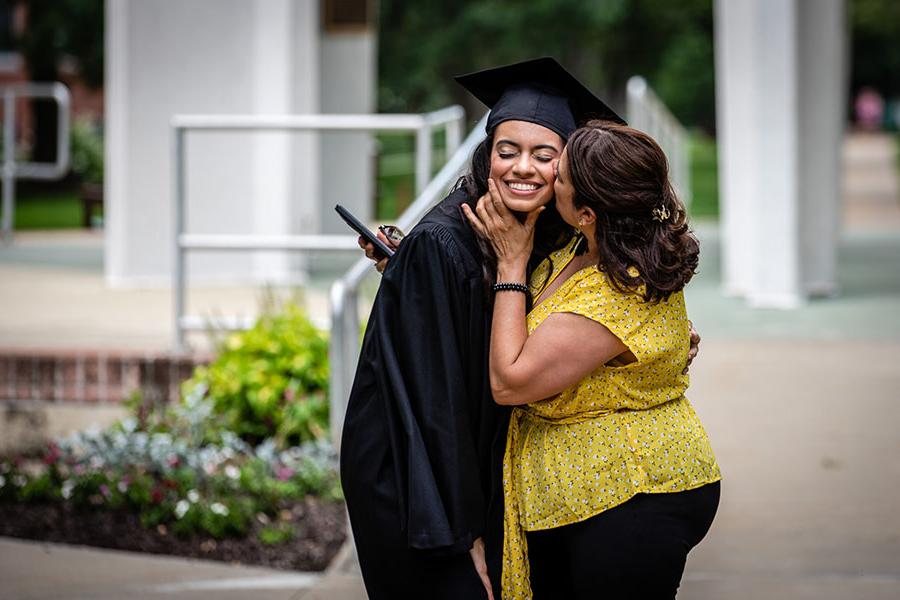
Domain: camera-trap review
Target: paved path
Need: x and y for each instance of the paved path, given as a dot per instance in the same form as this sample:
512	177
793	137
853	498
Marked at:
802	408
35	571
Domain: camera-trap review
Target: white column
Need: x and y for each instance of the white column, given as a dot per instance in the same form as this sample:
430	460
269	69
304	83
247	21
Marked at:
348	68
168	58
823	77
775	279
779	74
272	91
306	159
116	142
735	47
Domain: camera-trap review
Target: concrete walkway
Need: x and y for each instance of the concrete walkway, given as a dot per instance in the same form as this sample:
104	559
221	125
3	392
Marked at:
801	406
36	571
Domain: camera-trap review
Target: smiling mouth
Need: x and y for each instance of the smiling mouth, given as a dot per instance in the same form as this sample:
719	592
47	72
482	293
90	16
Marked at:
522	187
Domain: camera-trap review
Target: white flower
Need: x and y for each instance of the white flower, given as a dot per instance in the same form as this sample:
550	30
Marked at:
193	496
232	472
19	480
129	424
219	508
122	486
2	480
67	487
181	508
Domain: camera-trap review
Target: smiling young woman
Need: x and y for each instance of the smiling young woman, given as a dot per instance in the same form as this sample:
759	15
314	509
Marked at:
522	164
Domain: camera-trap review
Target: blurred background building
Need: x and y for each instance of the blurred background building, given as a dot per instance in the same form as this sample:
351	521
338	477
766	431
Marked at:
259	57
776	94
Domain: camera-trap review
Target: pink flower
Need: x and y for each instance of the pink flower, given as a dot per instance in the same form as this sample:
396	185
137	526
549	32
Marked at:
284	473
173	461
52	455
104	489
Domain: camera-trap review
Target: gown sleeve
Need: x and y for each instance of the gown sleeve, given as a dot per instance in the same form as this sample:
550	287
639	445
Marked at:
426	307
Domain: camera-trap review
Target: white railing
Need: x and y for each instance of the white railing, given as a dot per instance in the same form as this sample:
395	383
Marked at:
450	118
648	113
13	169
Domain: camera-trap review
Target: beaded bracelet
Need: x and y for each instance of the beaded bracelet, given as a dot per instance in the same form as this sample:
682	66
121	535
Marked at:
511	287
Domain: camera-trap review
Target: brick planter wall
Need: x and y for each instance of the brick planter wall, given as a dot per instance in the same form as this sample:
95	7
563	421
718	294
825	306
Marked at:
93	377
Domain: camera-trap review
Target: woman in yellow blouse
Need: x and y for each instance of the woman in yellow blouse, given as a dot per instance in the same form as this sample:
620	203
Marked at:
609	477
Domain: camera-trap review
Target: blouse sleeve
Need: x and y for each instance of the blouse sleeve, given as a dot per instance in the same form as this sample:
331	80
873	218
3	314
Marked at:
593	297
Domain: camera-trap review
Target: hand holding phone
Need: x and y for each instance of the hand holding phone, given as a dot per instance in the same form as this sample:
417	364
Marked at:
366	233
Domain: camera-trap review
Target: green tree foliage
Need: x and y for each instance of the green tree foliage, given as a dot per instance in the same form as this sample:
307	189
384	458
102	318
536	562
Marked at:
63	28
604	42
57	29
875	45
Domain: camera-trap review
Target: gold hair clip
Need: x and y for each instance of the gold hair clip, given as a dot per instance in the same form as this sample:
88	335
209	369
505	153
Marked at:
660	213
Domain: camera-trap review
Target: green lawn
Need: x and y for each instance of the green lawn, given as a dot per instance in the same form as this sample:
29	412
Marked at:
704	176
396	181
48	210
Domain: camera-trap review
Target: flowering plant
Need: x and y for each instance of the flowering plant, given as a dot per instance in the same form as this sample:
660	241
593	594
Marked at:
173	472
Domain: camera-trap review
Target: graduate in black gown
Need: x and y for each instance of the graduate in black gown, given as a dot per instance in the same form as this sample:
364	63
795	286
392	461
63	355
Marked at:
423	440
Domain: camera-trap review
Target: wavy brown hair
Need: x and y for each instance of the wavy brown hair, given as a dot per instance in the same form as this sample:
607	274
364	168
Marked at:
622	175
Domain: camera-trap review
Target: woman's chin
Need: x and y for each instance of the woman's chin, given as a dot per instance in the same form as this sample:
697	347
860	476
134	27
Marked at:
525	205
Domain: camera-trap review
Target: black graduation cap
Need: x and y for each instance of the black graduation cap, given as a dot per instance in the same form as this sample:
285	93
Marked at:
538	91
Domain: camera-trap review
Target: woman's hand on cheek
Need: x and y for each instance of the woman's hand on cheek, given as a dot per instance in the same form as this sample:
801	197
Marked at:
511	238
474	221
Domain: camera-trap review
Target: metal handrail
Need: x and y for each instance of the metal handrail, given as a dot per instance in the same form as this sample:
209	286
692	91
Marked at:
451	118
13	169
344	347
649	114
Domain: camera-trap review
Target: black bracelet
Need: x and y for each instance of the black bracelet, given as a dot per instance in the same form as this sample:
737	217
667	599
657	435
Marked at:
511	287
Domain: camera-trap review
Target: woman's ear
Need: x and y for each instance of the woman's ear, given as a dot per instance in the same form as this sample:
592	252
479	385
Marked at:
586	216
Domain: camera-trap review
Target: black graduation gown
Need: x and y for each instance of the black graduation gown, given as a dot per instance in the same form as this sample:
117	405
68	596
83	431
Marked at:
423	441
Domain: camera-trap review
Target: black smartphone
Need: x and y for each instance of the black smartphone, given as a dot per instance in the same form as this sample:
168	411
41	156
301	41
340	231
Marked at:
364	231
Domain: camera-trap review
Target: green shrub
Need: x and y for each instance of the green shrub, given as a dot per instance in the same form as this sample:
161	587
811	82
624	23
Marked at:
272	535
272	380
86	151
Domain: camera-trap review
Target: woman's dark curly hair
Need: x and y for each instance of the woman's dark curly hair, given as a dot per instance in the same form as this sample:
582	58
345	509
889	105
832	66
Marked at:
622	175
551	232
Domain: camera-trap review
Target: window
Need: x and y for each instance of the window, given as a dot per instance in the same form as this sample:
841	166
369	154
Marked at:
348	15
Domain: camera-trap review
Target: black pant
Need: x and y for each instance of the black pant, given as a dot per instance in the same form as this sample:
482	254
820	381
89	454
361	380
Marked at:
636	550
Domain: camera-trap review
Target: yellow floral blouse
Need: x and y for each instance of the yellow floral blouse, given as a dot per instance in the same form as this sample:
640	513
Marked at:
619	432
